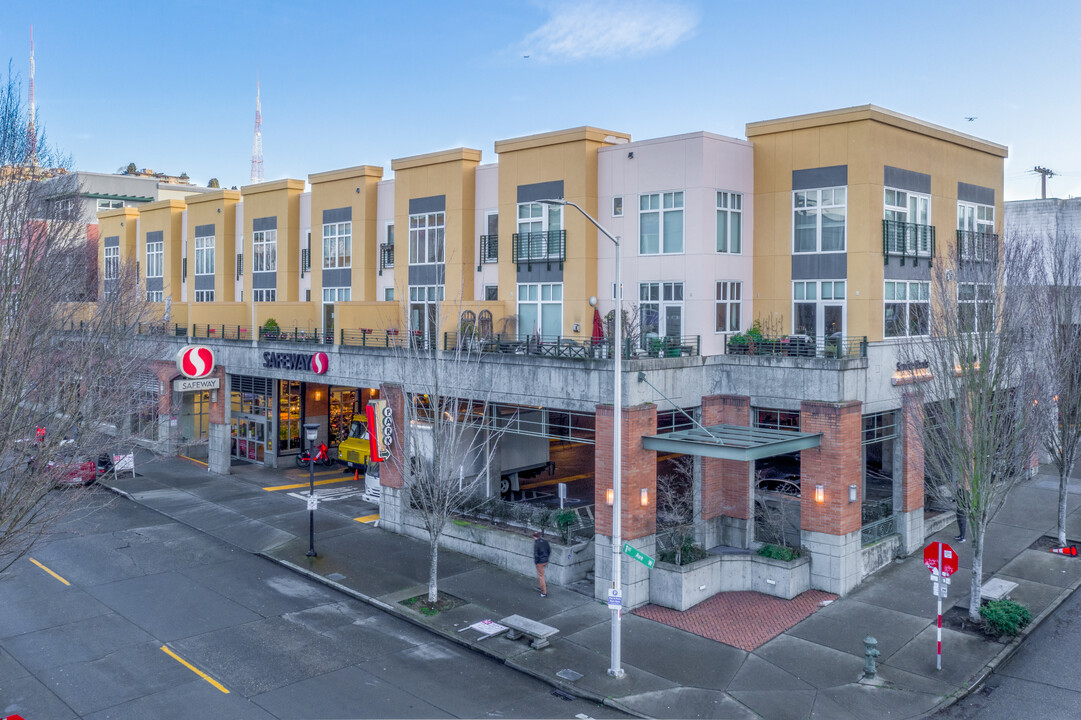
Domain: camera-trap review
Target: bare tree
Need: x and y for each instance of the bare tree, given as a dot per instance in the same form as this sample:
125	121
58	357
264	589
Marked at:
67	366
675	508
980	383
1056	328
450	428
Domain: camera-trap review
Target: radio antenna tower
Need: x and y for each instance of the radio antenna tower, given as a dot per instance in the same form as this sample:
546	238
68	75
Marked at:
31	131
257	141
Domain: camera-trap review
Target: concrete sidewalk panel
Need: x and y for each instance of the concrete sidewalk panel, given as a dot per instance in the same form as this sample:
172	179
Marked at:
581	616
295	522
1044	567
778	704
868	701
962	656
1033	595
818	665
758	675
825	708
1002	544
353	575
687	702
167	501
261	506
1033	506
493	587
889	676
845	623
252	535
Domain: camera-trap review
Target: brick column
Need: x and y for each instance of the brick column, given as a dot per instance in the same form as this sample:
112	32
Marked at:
639	524
831	528
391	480
726	484
910	517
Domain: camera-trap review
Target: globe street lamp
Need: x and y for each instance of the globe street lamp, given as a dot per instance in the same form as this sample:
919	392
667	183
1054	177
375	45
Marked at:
311	432
617	443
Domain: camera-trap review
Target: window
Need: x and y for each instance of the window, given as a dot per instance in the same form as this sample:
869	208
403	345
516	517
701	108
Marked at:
204	255
909	220
818	307
337	244
390	233
112	263
540	310
491	292
975	307
660	309
155	254
105	204
423	311
341	294
729	302
155	296
976	228
617	206
729	222
489	242
536	224
818	223
264	294
388	294
264	251
907	308
426	238
204	296
660	223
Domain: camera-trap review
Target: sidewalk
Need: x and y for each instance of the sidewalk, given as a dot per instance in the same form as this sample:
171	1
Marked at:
813	669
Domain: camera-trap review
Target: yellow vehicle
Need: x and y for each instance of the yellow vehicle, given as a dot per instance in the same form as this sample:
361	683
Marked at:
356	450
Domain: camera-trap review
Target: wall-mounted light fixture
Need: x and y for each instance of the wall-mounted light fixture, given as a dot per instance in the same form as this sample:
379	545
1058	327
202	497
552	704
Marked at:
644	496
577	327
820	493
851	493
318	395
609	496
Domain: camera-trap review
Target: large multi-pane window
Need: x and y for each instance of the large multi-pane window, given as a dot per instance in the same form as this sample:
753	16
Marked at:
264	295
264	251
337	244
660	309
426	238
818	307
540	309
729	304
155	295
909	213
729	222
204	254
155	254
977	226
339	294
975	307
204	296
110	204
538	228
660	223
112	263
818	220
907	308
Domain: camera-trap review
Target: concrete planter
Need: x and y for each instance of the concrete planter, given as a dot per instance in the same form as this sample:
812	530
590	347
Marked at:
681	587
780	578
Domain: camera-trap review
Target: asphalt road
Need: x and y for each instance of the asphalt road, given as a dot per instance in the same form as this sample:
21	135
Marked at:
124	613
1041	680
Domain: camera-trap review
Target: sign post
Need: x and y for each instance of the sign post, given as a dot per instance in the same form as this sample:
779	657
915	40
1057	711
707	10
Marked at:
941	560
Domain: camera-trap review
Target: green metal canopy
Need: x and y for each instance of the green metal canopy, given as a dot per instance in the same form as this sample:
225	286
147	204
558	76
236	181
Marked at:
732	442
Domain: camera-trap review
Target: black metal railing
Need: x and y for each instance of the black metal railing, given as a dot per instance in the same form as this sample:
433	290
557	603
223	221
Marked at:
274	333
909	241
222	332
809	346
162	328
386	256
579	347
975	246
489	249
878	520
370	338
539	247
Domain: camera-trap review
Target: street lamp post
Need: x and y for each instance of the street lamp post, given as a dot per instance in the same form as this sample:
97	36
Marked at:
617	443
311	432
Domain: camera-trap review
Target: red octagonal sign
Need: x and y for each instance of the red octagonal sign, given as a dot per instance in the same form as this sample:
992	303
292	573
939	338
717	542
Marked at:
934	551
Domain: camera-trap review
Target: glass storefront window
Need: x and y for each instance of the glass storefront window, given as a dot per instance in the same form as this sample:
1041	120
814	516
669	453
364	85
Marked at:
343	403
290	437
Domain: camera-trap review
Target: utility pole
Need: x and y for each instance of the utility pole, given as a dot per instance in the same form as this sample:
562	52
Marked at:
1044	174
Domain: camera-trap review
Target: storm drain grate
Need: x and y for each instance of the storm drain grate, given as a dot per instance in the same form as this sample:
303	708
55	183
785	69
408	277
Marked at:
569	675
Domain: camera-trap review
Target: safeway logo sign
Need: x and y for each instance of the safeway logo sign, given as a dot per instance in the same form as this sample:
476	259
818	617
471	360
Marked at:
320	363
195	361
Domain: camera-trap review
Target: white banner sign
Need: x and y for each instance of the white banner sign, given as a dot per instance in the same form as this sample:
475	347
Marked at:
186	385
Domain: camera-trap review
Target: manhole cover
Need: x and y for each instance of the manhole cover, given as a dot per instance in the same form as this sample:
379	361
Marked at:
569	675
335	577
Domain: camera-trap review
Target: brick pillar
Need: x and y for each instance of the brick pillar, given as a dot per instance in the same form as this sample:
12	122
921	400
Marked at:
831	528
726	484
639	523
910	517
391	480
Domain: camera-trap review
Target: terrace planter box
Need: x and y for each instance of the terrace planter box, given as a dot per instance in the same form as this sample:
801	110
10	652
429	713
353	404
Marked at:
681	587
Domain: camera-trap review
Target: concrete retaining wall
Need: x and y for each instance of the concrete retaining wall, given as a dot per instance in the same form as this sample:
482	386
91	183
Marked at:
683	587
877	556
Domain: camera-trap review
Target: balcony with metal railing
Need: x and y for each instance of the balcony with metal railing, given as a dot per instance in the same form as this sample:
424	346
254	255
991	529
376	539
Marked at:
976	247
489	249
386	256
576	347
911	242
534	248
806	346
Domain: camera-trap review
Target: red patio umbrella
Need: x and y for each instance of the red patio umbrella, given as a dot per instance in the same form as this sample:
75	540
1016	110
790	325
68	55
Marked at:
598	328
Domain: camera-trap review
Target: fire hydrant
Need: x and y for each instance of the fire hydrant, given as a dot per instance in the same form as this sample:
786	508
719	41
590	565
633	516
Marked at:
870	652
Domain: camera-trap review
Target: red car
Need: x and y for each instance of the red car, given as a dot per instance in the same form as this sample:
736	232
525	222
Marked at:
74	472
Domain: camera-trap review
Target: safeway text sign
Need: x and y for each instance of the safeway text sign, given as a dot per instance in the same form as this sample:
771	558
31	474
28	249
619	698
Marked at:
948	555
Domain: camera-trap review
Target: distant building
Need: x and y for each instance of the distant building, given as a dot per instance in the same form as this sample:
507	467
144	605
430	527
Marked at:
1050	217
85	194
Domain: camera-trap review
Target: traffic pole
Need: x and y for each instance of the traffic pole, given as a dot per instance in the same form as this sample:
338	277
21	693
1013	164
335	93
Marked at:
941	578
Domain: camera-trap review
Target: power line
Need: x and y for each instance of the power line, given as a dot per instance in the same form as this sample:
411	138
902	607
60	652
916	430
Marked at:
1044	174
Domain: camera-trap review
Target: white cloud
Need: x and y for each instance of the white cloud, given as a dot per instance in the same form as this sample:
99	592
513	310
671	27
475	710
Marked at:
606	29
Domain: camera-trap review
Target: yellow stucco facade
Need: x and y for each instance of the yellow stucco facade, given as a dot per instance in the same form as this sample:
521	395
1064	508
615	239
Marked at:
280	200
166	217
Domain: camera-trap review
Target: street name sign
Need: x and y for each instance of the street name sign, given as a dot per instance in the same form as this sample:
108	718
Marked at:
638	555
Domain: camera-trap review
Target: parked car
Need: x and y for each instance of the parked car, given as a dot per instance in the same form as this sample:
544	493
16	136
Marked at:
79	471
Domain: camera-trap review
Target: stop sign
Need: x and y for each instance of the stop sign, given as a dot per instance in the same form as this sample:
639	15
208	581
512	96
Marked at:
934	551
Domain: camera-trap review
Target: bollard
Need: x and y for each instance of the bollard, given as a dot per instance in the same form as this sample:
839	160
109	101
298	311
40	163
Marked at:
870	652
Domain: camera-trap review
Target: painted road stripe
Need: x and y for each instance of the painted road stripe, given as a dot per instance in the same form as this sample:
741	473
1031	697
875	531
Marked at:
50	572
194	669
195	461
367	518
304	485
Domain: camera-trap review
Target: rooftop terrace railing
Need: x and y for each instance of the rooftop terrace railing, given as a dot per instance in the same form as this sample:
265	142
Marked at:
579	347
808	346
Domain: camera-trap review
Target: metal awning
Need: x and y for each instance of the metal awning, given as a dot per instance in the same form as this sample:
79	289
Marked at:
732	442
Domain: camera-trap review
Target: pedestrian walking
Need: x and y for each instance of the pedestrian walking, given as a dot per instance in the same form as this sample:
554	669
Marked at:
962	517
541	551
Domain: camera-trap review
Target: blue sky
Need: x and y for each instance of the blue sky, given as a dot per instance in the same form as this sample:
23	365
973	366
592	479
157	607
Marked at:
171	86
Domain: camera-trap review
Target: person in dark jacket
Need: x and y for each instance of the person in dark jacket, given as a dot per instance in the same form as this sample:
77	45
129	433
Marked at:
541	551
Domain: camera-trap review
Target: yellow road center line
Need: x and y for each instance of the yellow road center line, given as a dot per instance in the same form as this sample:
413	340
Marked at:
194	460
304	485
367	518
194	669
50	572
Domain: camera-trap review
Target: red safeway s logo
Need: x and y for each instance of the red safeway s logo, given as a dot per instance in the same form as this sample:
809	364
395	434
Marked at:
320	363
195	361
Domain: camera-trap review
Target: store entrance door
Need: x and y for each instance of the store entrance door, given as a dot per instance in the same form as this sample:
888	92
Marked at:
195	424
250	417
343	403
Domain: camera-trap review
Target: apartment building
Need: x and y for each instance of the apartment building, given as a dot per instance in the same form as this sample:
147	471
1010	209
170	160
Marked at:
818	233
